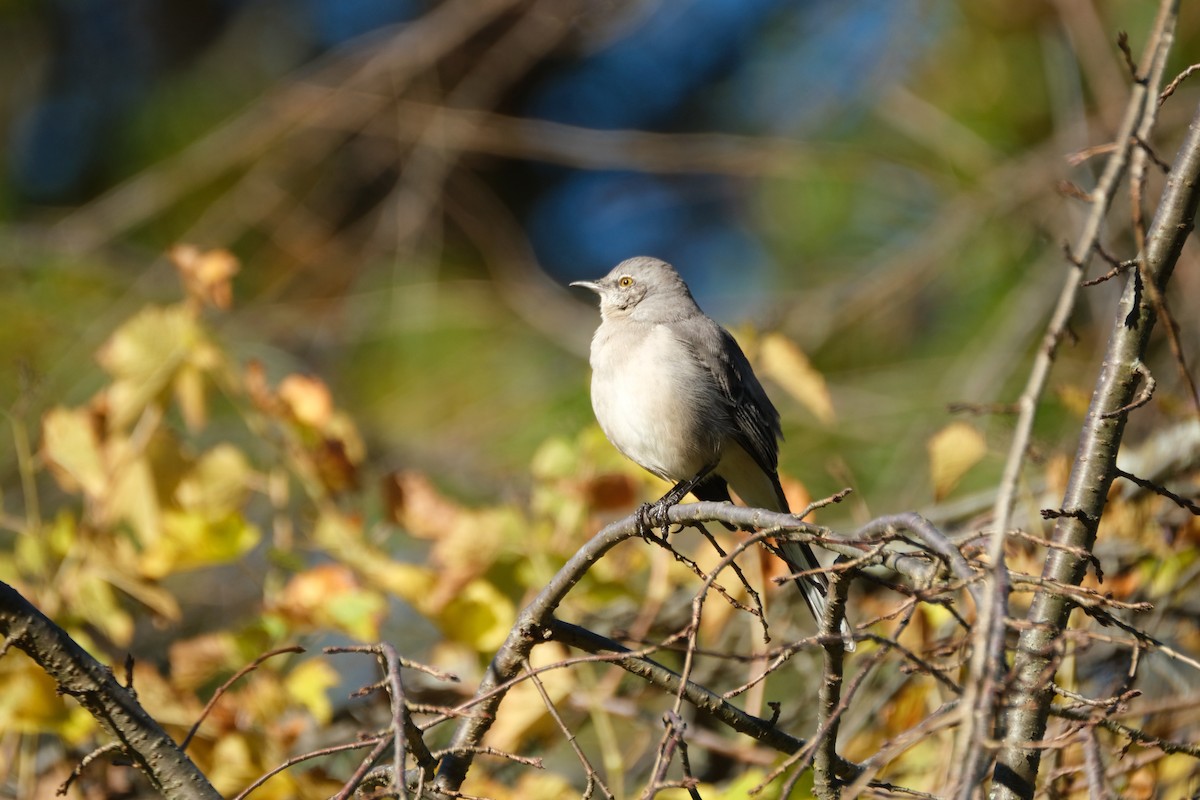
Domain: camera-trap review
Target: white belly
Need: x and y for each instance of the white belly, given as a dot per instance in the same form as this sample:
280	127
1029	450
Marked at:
655	403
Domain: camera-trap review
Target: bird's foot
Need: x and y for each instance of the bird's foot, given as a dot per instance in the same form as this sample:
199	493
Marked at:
651	516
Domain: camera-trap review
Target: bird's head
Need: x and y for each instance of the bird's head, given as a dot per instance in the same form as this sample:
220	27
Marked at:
643	289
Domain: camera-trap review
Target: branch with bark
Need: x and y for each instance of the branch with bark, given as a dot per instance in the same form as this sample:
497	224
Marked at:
1092	473
139	737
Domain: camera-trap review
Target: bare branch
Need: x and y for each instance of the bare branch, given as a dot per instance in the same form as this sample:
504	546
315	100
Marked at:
294	760
829	693
79	675
1094	469
1174	84
224	687
593	777
710	703
979	721
1182	502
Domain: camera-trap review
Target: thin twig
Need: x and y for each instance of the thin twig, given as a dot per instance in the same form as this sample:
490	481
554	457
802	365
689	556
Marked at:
83	764
224	687
300	759
1173	85
1182	502
365	766
829	691
593	777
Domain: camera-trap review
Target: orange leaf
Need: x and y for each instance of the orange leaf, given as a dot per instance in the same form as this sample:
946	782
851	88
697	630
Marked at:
206	274
307	398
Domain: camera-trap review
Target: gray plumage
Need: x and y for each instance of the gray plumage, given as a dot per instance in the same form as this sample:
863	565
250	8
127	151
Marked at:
674	392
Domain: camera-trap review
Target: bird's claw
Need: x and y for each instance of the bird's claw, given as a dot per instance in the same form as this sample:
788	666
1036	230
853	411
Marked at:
651	516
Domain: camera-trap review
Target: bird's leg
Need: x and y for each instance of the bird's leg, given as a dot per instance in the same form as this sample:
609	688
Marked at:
654	515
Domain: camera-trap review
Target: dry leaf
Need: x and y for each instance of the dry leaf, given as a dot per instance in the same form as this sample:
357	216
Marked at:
258	388
217	484
610	492
71	446
199	659
782	360
143	356
416	505
308	399
329	595
191	539
952	451
206	274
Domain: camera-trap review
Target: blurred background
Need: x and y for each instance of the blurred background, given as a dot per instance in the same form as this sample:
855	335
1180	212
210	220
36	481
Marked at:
409	186
873	196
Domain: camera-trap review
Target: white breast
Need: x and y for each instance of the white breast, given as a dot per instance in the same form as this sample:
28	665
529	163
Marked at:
653	401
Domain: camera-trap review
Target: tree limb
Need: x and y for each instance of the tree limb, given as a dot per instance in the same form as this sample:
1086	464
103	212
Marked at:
91	683
1092	474
536	622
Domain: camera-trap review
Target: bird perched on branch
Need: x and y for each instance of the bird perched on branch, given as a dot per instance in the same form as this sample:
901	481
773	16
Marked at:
674	392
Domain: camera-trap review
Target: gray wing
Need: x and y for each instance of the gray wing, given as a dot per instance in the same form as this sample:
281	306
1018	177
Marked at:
757	430
756	422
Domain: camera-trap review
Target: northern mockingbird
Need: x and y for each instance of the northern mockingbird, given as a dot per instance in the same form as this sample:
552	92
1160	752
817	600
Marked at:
675	394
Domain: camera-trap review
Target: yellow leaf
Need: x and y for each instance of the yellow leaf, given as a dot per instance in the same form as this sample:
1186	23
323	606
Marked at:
1162	576
190	540
30	702
479	616
740	788
556	458
134	495
784	362
952	451
309	684
307	398
71	446
409	582
40	554
535	785
341	537
216	485
234	765
143	356
96	602
154	597
357	612
190	395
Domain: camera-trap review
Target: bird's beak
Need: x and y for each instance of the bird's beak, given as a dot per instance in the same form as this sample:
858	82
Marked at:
591	285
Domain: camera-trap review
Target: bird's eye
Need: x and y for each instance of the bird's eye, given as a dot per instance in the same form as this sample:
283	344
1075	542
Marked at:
625	281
